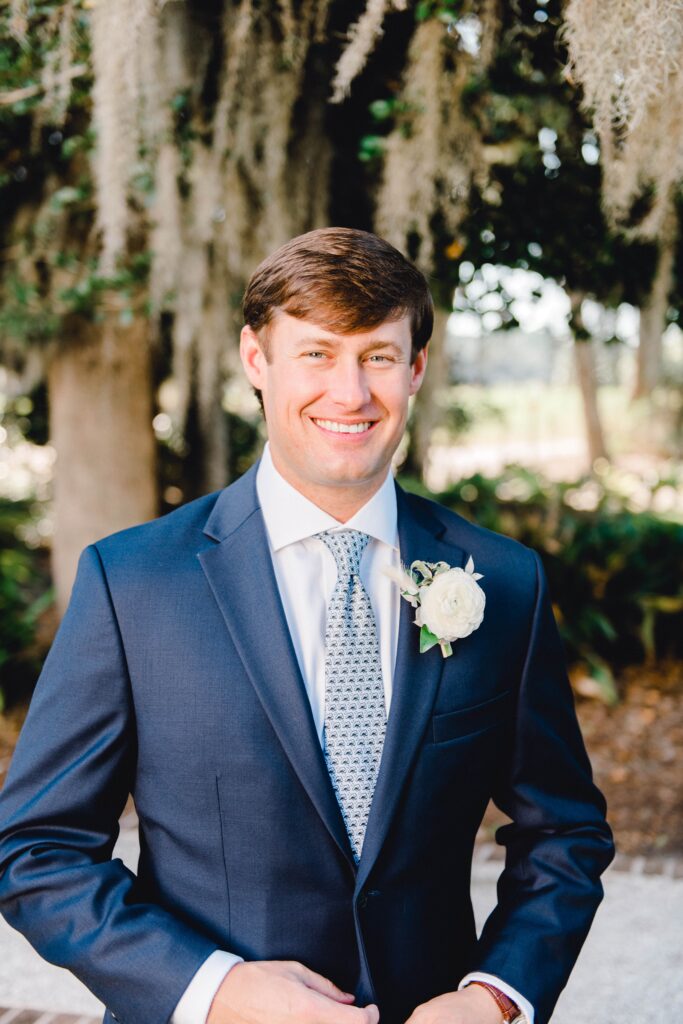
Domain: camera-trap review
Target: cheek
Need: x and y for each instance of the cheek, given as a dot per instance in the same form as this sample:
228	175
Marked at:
393	395
290	392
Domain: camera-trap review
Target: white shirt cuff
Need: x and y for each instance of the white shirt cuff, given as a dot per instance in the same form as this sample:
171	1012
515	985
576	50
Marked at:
194	1004
524	1005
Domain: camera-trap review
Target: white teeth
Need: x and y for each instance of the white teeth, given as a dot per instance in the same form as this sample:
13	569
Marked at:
344	428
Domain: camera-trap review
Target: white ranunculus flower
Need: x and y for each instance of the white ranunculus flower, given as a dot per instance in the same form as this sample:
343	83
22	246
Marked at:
452	606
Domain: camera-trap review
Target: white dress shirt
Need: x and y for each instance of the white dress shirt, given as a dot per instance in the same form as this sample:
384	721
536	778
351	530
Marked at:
306	573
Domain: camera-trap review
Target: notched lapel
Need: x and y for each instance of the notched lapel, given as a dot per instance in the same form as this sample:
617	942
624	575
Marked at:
416	677
240	573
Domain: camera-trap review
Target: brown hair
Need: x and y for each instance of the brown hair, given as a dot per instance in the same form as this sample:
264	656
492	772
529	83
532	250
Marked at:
343	279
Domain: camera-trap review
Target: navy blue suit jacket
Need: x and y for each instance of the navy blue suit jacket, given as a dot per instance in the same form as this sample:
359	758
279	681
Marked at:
173	676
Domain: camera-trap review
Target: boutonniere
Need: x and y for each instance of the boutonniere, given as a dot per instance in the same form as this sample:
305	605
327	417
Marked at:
449	602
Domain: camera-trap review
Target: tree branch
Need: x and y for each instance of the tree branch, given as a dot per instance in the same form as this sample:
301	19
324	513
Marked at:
14	95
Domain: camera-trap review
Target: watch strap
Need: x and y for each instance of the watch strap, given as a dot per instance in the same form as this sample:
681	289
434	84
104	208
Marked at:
511	1012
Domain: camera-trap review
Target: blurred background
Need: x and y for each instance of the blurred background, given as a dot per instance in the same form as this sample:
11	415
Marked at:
527	155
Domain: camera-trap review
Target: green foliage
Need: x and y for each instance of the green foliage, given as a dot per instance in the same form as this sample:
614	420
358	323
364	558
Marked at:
246	442
615	575
386	114
445	10
88	294
23	315
23	597
371	147
541	209
29	316
47	193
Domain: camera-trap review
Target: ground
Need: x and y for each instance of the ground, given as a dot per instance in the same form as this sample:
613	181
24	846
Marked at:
637	753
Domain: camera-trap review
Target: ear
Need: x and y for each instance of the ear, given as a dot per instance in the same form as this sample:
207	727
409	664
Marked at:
252	356
418	370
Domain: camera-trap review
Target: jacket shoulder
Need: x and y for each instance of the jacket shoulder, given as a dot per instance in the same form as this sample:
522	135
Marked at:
166	536
509	555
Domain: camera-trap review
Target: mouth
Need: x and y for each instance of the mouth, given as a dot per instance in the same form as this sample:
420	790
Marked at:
342	429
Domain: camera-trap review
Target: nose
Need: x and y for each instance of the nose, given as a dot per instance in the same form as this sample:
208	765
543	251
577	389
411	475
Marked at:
349	388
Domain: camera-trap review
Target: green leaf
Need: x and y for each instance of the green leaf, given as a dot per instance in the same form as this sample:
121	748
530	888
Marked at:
66	196
603	676
371	146
427	639
382	109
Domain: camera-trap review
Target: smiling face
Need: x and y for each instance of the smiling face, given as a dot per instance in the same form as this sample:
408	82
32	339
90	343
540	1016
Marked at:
335	404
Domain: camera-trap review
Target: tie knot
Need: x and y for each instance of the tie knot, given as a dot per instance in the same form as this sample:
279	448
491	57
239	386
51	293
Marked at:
347	547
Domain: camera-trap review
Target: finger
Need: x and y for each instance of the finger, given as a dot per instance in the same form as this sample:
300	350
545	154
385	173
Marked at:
326	1012
319	983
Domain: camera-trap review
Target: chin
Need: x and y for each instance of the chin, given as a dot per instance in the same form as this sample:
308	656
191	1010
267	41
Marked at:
351	478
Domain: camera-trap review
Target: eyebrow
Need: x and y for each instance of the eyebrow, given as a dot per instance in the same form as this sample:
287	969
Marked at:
333	343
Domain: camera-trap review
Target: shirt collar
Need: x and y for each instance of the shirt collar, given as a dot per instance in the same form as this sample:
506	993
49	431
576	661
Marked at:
290	517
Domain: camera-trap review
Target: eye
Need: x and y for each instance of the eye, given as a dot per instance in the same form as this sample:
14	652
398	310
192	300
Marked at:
314	355
380	358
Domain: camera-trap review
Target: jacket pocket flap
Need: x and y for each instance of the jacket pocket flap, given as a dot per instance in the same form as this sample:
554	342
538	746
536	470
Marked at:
472	719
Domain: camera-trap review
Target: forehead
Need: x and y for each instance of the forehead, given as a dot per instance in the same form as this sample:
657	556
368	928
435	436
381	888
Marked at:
294	331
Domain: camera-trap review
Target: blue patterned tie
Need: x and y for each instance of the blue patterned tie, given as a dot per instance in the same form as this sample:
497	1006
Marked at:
355	716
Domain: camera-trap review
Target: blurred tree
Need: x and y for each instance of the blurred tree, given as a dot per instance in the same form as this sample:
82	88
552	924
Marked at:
626	58
62	319
541	207
153	153
519	182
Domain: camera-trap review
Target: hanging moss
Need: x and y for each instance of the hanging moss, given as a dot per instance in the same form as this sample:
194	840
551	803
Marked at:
433	153
626	58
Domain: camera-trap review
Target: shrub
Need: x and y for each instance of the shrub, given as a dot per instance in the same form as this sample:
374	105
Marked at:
24	595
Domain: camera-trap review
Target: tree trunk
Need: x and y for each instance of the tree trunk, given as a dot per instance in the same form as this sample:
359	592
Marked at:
584	361
653	311
100	412
426	409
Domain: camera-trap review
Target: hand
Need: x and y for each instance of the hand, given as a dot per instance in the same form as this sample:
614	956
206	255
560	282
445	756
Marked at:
471	1005
284	992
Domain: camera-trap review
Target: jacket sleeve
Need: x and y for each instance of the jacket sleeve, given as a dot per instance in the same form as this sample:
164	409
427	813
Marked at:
558	842
66	788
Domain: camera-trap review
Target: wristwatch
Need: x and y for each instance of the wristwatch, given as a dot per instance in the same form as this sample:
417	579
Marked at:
511	1012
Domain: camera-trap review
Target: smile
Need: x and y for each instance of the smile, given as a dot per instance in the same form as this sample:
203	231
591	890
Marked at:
345	428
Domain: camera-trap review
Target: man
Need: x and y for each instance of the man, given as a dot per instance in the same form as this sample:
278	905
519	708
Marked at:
308	783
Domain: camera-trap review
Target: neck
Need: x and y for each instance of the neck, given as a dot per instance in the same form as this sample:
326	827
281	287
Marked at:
340	502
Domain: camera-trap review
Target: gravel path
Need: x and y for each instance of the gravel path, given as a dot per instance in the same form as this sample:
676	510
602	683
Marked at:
630	967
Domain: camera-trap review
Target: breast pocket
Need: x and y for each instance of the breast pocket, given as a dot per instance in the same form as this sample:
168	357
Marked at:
476	718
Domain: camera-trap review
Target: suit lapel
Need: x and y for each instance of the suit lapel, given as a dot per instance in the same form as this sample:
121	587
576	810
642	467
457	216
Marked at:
240	573
416	678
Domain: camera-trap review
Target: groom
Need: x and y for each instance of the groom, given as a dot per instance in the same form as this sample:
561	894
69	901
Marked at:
308	783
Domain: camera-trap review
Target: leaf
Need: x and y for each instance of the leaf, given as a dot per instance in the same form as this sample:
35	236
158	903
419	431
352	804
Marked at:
424	568
427	639
423	10
605	678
